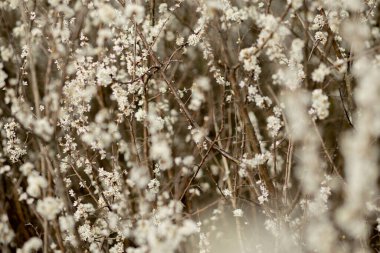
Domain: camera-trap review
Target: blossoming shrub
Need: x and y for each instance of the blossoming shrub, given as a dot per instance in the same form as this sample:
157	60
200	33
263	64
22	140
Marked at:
189	126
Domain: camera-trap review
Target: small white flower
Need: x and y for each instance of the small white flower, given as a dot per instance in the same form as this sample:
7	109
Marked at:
135	12
163	8
179	41
25	51
35	184
6	232
103	75
26	168
273	125
43	128
3	76
140	115
238	213
154	185
6	53
106	13
320	73
49	207
319	22
227	193
193	40
320	104
5	169
250	62
264	192
32	245
32	15
321	37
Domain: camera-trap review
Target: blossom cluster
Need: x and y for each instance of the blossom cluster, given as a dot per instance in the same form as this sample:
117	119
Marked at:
189	126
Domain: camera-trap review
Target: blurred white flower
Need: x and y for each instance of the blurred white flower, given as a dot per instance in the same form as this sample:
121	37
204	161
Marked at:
238	213
49	207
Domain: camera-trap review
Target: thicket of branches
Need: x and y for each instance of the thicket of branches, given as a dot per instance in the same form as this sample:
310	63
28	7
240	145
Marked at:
189	126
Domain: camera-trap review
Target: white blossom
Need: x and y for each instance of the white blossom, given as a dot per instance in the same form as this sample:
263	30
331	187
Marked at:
154	185
106	13
273	125
320	104
250	62
49	207
320	73
140	115
238	213
135	12
321	37
6	53
3	76
177	126
179	41
193	40
26	168
36	184
227	193
6	232
32	245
